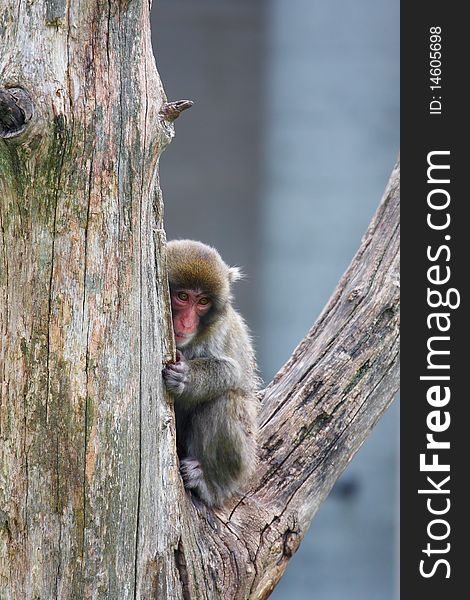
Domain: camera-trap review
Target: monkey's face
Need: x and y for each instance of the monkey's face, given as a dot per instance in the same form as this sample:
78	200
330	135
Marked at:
188	307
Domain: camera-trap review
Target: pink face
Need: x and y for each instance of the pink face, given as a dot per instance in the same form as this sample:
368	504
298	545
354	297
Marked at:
188	307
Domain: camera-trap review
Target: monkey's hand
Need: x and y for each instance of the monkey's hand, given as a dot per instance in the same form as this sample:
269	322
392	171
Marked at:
176	375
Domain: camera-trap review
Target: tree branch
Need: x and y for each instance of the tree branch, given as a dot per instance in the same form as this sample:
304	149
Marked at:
316	414
172	110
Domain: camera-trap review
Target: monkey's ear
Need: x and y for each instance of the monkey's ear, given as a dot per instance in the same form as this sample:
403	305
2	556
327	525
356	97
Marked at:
234	274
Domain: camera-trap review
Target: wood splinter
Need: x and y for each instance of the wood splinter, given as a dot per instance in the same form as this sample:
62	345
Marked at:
172	110
16	110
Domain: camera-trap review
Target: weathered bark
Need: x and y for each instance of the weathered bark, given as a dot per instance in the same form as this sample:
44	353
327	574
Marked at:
86	431
91	502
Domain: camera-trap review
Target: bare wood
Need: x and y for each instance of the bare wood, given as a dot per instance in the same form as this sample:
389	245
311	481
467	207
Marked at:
86	431
91	502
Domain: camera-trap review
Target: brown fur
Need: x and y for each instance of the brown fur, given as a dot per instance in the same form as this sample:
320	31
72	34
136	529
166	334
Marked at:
214	382
192	264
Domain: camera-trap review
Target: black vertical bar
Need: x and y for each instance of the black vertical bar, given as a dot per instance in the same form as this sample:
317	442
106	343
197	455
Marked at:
435	271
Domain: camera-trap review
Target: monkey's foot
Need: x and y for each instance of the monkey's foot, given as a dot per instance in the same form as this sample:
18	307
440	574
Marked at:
191	472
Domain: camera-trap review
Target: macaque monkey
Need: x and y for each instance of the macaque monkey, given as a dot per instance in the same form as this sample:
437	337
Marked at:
214	379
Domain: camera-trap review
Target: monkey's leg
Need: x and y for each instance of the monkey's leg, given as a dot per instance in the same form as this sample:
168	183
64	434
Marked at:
193	477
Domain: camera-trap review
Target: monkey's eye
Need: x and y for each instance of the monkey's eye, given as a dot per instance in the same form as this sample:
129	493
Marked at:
204	301
182	296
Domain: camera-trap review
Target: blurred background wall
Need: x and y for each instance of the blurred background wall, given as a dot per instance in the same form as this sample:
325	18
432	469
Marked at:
280	164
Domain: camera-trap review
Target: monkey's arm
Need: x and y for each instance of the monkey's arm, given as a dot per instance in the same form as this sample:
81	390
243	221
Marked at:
202	379
210	378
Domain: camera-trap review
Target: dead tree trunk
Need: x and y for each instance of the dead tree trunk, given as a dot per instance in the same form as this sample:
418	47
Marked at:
91	502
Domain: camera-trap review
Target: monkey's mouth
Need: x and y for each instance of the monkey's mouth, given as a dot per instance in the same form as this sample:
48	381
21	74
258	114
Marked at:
183	338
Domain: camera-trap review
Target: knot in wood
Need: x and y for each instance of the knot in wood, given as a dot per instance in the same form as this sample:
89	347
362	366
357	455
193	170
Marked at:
16	110
355	294
291	543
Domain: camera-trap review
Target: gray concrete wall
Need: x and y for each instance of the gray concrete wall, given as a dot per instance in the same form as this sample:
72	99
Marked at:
212	52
